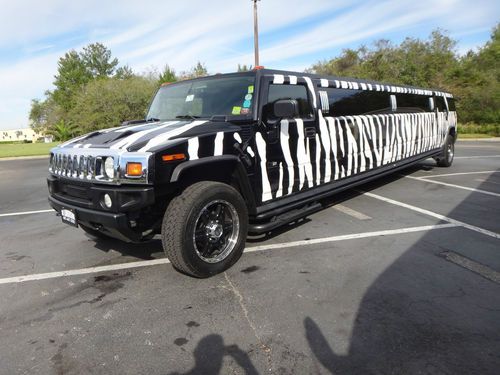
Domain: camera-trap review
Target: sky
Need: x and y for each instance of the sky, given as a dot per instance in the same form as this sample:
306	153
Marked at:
147	34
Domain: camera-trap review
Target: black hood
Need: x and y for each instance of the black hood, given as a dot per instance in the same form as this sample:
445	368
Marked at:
148	136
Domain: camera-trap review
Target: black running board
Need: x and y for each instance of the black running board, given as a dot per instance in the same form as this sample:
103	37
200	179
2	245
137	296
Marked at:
278	221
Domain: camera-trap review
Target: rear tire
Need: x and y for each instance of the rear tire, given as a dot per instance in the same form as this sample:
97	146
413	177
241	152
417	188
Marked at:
446	159
204	229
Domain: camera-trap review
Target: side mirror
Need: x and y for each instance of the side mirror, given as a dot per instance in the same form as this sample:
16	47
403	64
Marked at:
287	108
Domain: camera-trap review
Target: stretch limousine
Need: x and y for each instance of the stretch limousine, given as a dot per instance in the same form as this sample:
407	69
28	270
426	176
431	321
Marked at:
222	156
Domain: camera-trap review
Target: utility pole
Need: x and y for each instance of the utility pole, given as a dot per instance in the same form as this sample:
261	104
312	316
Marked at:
256	32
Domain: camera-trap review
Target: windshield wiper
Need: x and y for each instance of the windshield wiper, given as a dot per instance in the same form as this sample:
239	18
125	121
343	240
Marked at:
152	119
188	117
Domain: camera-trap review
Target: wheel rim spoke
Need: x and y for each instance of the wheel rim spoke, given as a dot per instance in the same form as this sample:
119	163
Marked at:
215	234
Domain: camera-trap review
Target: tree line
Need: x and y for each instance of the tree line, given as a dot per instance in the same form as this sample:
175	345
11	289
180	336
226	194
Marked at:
432	63
92	91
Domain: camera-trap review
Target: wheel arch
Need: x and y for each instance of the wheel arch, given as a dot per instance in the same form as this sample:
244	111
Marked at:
227	169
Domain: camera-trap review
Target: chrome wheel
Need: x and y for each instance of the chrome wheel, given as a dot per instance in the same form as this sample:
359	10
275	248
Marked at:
216	231
450	152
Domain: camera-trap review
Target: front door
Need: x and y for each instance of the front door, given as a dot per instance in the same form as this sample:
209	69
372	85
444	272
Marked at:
289	149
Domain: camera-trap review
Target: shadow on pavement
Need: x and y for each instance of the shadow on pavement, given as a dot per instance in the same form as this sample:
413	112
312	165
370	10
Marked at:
210	352
420	316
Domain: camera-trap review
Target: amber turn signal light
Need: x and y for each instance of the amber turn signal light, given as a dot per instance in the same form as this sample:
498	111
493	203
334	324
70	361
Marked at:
134	169
173	157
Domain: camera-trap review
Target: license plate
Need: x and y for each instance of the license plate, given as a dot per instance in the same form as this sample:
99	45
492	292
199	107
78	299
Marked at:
69	217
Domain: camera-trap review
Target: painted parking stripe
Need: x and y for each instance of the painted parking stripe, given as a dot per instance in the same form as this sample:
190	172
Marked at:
433	214
350	237
26	213
458	174
147	263
351	212
454	186
469	264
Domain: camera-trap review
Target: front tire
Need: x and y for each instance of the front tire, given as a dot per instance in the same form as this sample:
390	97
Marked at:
446	159
204	229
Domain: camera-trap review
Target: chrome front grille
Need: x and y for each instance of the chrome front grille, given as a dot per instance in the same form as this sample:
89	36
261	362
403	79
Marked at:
83	167
88	165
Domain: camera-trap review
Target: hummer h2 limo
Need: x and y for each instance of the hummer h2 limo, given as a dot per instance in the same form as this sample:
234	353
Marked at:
222	156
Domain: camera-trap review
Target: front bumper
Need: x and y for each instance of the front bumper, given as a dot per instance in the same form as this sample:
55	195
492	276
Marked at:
121	221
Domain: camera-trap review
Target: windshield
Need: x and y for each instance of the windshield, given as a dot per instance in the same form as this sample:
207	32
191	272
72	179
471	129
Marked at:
204	98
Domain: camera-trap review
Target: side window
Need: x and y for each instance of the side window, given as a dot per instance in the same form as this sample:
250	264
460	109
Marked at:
440	104
451	104
344	102
413	103
297	92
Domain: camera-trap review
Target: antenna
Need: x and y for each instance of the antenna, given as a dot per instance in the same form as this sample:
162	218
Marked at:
256	32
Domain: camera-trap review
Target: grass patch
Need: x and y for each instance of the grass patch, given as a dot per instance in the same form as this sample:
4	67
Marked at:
473	135
25	149
488	129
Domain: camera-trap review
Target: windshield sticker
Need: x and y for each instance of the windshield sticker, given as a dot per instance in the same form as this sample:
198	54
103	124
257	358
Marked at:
236	110
247	104
190	98
250	89
248	97
245	111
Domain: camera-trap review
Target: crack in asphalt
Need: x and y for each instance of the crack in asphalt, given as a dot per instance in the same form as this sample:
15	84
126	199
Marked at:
266	349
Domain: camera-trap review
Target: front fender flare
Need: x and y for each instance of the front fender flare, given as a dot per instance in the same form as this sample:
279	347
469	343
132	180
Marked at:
237	171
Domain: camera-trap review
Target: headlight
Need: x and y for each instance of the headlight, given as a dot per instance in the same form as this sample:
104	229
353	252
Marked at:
109	167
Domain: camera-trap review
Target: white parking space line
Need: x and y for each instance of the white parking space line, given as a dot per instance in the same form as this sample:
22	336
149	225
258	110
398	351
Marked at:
454	186
473	266
82	271
433	214
477	157
350	237
146	263
459	174
351	212
26	213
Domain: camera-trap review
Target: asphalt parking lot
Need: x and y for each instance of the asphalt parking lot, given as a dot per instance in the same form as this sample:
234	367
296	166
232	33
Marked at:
399	277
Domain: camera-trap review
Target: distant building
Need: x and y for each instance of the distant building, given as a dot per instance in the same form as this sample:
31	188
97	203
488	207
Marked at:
19	135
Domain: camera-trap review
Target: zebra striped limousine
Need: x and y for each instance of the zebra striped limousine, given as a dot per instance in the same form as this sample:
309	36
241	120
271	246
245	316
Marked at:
222	156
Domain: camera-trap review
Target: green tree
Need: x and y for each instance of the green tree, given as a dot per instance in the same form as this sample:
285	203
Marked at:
477	83
124	72
62	131
199	70
43	114
97	60
167	75
71	75
106	103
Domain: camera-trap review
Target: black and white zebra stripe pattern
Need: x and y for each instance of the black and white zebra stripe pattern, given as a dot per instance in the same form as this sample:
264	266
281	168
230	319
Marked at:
346	146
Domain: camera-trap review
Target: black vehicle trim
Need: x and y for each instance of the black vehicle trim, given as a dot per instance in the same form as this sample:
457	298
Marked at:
241	174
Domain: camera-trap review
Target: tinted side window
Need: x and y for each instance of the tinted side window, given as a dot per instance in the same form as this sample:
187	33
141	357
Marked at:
344	102
440	104
451	104
413	103
297	92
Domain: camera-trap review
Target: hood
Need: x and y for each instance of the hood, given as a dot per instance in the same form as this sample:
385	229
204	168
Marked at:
147	137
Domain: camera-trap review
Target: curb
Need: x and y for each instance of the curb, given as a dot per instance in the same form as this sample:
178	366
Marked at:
25	157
